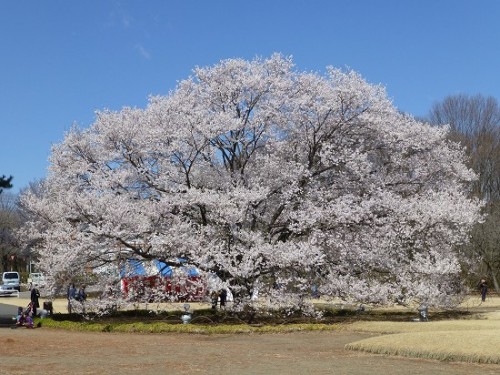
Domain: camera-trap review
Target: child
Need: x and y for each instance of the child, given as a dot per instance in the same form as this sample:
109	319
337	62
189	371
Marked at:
19	313
29	309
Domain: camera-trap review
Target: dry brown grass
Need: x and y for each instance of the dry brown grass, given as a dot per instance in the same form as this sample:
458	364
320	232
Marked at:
472	340
479	346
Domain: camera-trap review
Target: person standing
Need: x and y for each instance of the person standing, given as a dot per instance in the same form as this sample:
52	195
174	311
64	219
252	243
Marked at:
82	295
71	296
223	297
483	288
214	297
71	291
35	295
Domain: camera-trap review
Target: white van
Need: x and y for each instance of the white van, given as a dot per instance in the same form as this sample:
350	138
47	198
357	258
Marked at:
12	279
36	279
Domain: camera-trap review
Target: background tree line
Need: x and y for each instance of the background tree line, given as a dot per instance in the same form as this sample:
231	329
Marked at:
13	256
8	222
475	122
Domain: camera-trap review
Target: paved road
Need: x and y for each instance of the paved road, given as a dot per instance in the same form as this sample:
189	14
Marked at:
9	310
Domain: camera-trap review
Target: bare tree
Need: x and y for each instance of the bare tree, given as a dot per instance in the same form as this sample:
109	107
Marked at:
9	221
26	247
475	122
484	244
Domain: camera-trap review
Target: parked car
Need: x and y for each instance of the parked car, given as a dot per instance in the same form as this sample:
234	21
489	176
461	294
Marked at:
36	279
12	279
8	290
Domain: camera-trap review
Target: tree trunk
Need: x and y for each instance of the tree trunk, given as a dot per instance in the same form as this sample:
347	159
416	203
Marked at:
495	283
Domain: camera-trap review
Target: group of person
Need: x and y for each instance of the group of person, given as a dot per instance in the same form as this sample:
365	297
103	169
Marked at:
218	297
74	294
25	317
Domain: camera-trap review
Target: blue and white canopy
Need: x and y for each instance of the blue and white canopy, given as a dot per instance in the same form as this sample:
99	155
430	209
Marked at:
136	267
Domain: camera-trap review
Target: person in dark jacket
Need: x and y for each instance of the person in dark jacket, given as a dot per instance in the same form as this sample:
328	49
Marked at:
71	291
71	296
35	295
223	297
214	297
82	294
483	288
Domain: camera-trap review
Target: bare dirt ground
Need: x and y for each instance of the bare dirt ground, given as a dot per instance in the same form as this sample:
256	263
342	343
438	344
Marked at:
50	351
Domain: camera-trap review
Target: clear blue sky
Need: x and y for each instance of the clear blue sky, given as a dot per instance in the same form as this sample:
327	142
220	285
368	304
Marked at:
61	60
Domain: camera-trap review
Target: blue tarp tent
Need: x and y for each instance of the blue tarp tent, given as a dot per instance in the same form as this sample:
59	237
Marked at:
135	267
164	270
190	270
132	267
141	279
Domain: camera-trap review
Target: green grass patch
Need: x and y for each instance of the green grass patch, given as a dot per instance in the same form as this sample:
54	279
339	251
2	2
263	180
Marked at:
166	327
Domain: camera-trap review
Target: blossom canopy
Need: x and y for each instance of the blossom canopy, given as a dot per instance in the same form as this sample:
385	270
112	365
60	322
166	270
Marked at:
271	178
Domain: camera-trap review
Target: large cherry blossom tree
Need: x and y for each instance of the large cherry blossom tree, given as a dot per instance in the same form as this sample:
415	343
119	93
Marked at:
272	178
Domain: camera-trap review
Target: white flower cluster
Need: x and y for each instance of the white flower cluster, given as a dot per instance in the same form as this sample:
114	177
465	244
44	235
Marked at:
273	179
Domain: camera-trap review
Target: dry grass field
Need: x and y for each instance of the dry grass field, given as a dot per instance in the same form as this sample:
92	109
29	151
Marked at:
467	340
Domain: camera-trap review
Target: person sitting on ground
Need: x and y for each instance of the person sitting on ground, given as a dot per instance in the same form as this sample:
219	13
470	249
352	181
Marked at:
19	313
43	313
24	320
